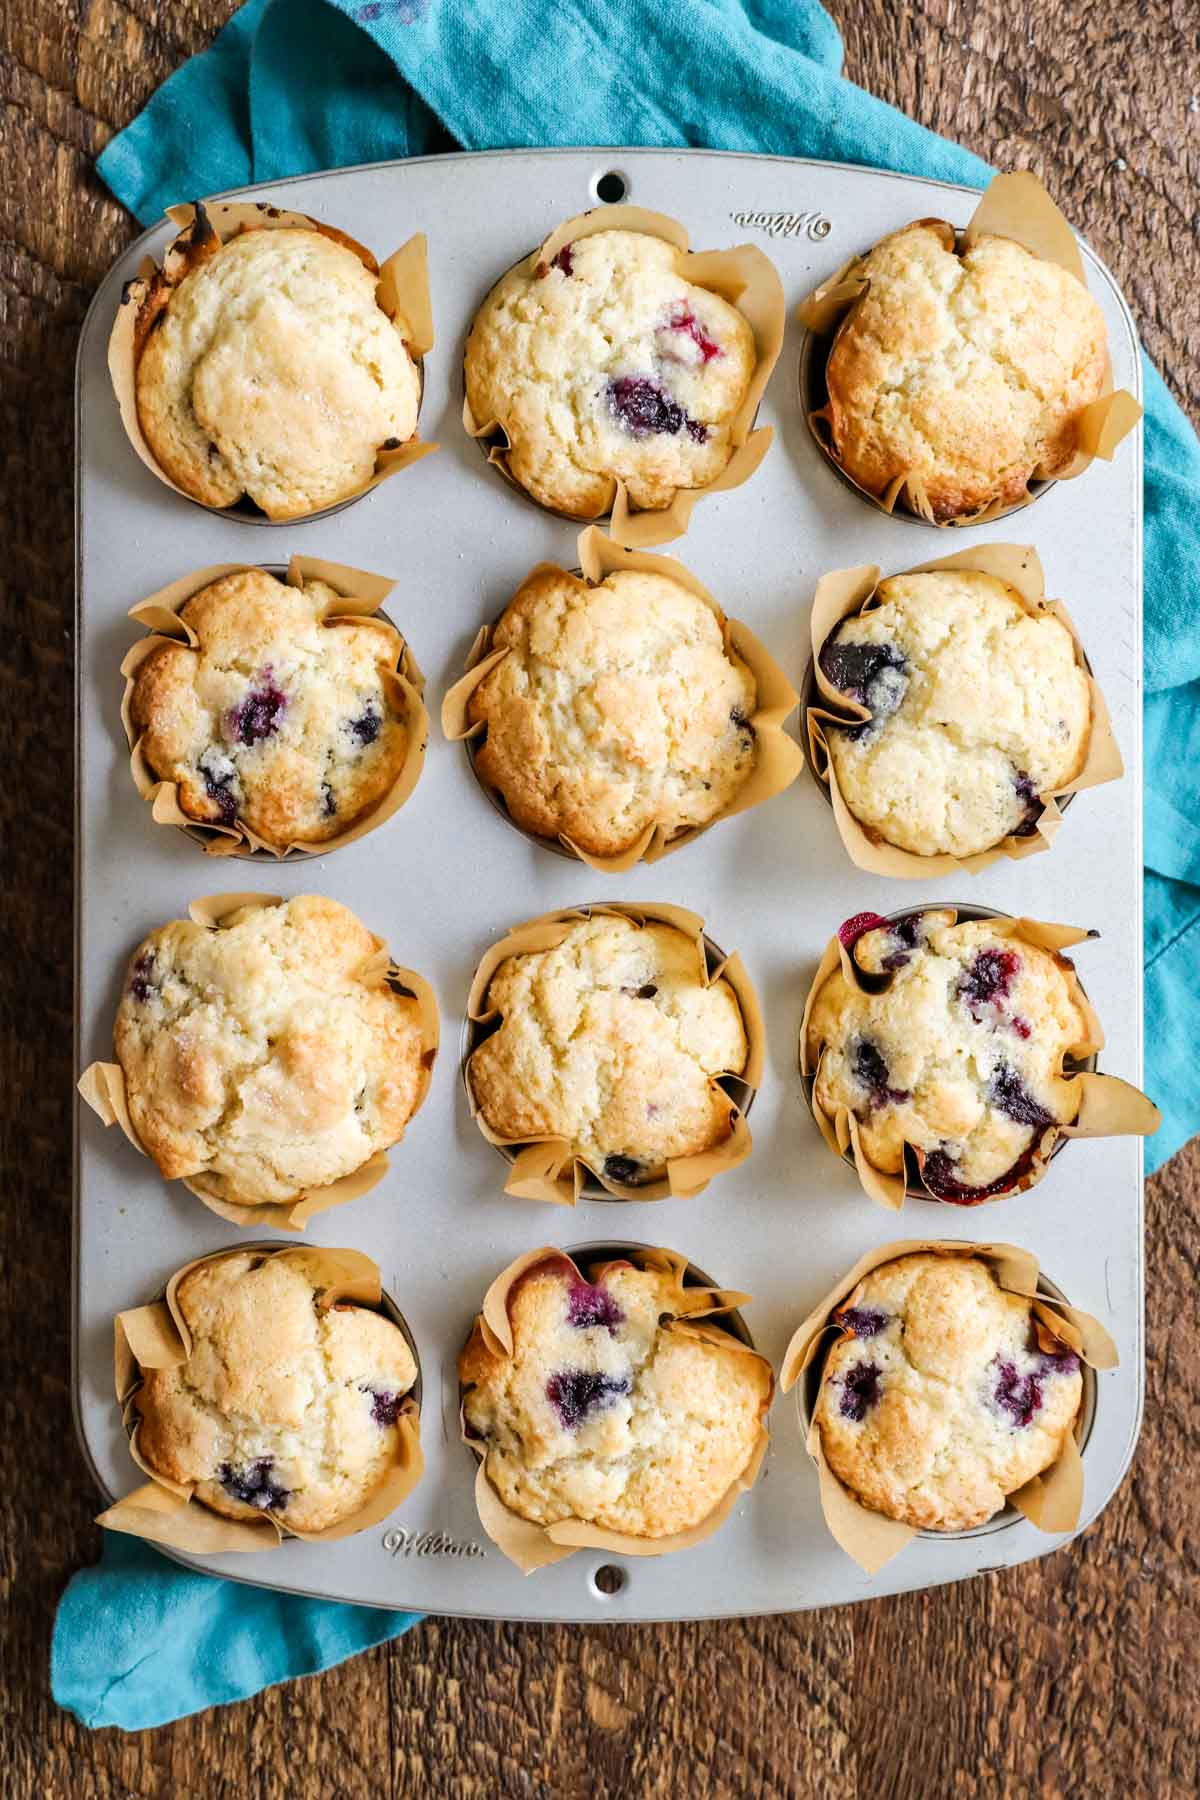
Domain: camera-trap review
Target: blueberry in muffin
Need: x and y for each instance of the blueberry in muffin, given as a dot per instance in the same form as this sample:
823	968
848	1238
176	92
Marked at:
275	720
953	1045
269	1057
270	372
619	708
965	372
613	1040
603	1412
606	365
978	711
943	1394
284	1405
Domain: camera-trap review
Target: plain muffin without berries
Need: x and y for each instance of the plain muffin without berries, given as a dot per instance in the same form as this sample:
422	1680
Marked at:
273	374
944	1394
275	718
607	365
979	710
965	371
617	708
602	1413
959	1053
613	1041
283	1405
259	1059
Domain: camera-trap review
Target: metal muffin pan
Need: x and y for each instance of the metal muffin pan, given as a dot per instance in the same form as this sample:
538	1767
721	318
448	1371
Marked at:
445	877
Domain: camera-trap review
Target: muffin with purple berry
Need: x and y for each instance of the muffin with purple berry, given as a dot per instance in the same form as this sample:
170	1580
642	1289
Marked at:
606	365
978	710
599	1409
944	1393
946	1039
283	1405
277	715
612	1040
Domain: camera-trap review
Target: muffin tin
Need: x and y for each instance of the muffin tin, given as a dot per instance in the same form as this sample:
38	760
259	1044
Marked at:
444	878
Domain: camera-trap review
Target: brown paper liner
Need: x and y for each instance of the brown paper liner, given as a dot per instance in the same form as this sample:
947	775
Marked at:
1052	1500
204	226
544	1168
360	597
847	592
532	1546
1015	206
102	1085
778	758
743	276
157	1337
1105	1106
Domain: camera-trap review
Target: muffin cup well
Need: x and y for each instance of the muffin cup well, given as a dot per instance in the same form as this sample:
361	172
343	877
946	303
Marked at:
1105	1106
743	276
1014	206
102	1085
778	758
546	1168
361	595
848	592
204	226
1052	1500
694	1314
156	1337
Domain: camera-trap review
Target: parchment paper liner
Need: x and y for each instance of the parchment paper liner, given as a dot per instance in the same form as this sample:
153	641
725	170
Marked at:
361	595
544	1168
157	1337
778	758
102	1085
1014	206
743	276
846	592
1052	1500
403	290
533	1546
1106	1106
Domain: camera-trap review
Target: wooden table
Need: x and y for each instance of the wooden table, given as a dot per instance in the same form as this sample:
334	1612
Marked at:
1074	1675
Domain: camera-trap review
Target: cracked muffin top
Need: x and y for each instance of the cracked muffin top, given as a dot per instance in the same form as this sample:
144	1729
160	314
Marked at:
959	1054
967	372
257	1058
943	1395
617	708
283	1406
612	1041
275	719
978	710
604	365
602	1413
273	374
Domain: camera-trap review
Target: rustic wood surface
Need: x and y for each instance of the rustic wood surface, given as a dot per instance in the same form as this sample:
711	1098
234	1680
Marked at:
1075	1675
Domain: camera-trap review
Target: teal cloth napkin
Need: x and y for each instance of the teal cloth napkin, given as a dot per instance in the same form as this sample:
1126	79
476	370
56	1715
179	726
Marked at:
297	85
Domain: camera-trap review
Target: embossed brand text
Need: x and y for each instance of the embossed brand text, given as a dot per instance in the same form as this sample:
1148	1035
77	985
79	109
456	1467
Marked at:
399	1542
787	224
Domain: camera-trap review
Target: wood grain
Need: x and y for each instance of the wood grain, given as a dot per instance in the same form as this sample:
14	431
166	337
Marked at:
1075	1675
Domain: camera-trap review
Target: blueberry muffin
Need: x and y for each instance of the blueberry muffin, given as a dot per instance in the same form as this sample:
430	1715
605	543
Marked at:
271	372
602	1412
958	1053
607	365
276	720
616	709
283	1406
612	1041
939	1399
258	1061
978	711
965	371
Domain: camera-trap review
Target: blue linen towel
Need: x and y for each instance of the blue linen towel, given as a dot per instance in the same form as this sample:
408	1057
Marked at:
292	86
